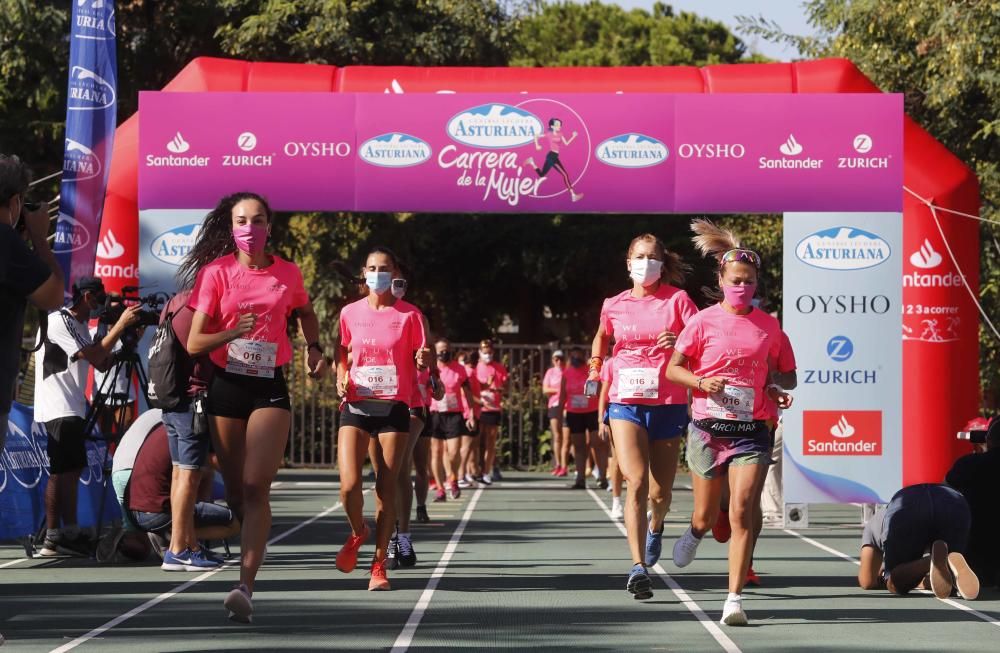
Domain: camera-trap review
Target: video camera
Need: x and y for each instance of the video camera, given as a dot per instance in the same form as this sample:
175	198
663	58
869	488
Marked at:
149	314
977	431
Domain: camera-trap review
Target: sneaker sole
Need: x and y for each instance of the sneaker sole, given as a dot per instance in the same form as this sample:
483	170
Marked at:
379	587
966	581
735	619
239	606
641	588
941	580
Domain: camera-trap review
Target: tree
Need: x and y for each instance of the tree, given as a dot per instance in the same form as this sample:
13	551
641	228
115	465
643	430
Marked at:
944	56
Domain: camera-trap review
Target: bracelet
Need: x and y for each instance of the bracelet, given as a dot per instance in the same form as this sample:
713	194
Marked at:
316	346
596	362
700	379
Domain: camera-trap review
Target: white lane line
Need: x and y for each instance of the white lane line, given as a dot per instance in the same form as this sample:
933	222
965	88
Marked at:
713	629
100	630
843	556
12	563
405	639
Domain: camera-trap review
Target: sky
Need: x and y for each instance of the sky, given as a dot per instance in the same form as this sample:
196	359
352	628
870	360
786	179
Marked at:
789	14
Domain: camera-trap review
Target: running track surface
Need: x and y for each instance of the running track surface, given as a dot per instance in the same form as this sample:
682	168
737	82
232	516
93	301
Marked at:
526	564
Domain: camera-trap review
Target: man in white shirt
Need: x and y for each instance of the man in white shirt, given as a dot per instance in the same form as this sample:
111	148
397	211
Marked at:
60	402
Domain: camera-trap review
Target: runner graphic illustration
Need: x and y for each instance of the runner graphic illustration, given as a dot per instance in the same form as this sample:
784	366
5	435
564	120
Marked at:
556	140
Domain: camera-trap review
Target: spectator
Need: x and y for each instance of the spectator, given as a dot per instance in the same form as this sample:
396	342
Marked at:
24	275
977	477
918	519
60	402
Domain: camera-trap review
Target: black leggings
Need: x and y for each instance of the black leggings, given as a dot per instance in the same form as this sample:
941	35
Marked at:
552	161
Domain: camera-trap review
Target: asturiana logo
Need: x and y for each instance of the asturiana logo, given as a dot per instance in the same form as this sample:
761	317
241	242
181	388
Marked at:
843	248
632	151
172	246
88	91
70	235
95	20
395	150
495	126
80	162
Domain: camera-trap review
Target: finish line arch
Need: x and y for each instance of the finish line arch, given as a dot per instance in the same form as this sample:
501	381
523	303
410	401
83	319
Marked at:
940	374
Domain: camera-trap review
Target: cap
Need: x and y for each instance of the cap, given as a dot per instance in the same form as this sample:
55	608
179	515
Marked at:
83	284
558	354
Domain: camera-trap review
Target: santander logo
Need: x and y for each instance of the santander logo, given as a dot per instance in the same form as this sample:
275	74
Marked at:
791	147
178	145
109	247
925	258
842	432
842	429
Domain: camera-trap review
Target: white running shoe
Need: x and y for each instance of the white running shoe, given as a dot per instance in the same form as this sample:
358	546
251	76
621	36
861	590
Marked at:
239	605
732	613
487	479
685	548
617	512
464	484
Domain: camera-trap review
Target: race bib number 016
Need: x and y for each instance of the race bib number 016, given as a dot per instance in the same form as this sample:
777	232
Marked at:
252	358
376	381
733	403
639	383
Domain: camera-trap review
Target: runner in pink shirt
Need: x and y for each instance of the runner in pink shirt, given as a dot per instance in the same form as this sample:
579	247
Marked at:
552	388
469	472
582	420
449	422
726	356
555	139
242	299
386	341
493	379
648	413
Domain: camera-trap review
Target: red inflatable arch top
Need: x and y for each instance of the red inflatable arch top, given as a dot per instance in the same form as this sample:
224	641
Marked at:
941	384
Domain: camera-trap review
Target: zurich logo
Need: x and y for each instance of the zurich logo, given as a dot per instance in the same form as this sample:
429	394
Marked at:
172	246
395	150
632	151
840	348
495	126
88	91
843	248
80	162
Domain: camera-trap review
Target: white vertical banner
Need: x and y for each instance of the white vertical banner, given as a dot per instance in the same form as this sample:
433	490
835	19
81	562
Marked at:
165	238
843	313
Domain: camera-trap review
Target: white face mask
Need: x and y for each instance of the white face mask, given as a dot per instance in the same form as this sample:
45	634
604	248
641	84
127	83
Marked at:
486	358
645	271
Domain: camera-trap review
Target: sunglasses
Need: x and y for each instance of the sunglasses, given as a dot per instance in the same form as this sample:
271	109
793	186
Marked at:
742	256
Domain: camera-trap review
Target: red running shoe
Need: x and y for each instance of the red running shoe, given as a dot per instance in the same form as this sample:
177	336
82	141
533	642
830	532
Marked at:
439	496
432	484
562	472
379	581
722	530
455	491
753	580
347	558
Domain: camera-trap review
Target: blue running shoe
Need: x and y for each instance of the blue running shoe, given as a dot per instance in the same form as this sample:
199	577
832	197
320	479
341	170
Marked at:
639	585
654	546
187	560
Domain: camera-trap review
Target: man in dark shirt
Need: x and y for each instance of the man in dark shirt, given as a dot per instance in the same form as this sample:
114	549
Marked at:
977	477
24	275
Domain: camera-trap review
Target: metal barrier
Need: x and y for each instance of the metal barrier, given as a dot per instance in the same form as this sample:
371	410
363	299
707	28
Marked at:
524	441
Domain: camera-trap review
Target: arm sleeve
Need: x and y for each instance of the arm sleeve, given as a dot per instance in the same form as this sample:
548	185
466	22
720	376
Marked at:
345	330
24	271
418	334
299	295
206	296
689	342
605	319
786	356
686	308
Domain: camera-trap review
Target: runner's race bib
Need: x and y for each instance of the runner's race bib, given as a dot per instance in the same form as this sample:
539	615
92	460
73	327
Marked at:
733	403
579	401
451	403
639	383
252	358
489	398
376	381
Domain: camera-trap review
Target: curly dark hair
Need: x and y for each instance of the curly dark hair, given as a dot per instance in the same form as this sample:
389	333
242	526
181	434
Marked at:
216	237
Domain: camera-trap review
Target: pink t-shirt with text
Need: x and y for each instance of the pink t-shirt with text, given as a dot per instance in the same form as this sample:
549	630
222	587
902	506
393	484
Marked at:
492	376
576	401
453	376
383	343
553	379
224	290
738	348
635	323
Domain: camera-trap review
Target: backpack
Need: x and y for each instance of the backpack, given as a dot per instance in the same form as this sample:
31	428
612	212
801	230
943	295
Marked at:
169	367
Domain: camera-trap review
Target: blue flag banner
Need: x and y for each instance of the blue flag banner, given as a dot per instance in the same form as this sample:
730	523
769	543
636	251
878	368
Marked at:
24	473
91	110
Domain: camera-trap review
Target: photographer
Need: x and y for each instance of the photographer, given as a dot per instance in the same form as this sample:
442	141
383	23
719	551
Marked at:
60	402
24	275
977	477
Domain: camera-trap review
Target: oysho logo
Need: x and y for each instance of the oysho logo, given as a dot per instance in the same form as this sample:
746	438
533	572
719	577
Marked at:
862	143
109	247
840	348
80	162
88	91
842	304
178	145
395	150
172	246
711	151
791	147
632	151
316	149
94	20
843	248
842	433
70	235
247	141
495	126
925	258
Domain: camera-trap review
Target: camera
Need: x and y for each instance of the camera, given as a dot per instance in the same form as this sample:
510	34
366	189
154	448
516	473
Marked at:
149	314
975	437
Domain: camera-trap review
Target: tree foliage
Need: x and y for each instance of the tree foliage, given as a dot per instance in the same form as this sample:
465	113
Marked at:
944	55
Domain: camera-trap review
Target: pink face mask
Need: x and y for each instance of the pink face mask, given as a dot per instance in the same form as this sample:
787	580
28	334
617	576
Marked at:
739	297
250	238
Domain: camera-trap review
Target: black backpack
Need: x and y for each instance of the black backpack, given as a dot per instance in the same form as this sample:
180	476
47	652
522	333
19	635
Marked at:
169	367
